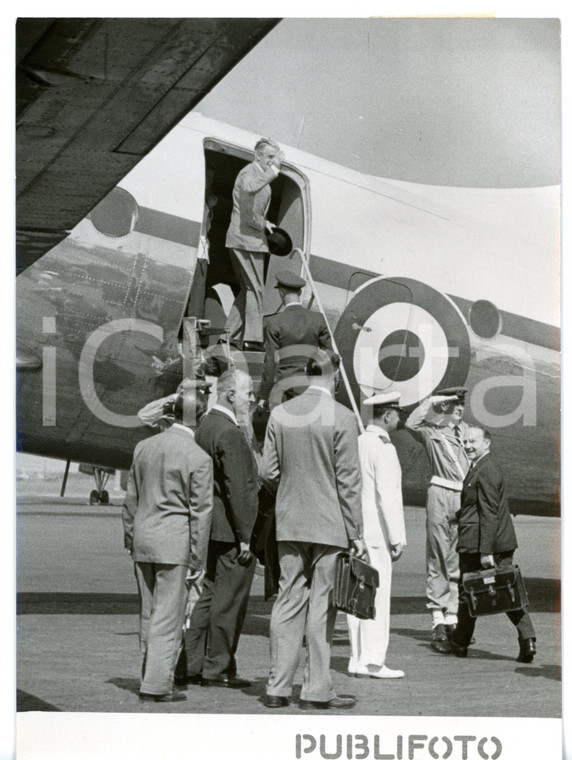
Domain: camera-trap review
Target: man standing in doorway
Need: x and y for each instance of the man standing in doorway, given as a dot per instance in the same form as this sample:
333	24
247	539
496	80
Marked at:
246	239
442	438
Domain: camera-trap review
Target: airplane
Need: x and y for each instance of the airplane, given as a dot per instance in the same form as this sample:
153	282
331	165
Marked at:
419	295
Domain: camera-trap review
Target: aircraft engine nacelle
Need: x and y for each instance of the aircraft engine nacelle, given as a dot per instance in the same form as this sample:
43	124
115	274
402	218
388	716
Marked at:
398	334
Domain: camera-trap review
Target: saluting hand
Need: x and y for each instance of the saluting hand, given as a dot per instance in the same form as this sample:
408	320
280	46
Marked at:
278	158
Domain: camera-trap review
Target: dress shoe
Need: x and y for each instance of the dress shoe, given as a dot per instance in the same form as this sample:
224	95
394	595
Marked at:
458	649
174	696
186	680
273	701
527	650
439	640
337	703
228	682
449	629
253	345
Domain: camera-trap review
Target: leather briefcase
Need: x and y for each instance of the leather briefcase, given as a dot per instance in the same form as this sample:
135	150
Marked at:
355	586
498	589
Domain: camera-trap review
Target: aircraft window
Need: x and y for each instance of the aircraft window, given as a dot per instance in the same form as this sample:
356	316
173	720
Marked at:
117	214
485	319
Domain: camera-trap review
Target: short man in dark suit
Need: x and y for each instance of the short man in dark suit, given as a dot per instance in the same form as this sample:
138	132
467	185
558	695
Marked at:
311	462
289	336
218	616
486	539
166	519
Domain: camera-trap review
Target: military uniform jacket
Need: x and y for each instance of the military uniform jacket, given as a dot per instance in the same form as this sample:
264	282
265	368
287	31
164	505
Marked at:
168	506
485	524
381	497
311	462
438	440
235	501
294	326
250	201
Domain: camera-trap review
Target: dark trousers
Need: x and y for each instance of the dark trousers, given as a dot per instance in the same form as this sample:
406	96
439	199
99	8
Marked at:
471	563
218	616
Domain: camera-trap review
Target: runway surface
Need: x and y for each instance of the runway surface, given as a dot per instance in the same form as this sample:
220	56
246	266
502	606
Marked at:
78	647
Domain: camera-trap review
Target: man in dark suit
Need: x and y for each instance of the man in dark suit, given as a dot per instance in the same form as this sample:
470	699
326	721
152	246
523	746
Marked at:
218	616
288	336
166	519
311	462
486	539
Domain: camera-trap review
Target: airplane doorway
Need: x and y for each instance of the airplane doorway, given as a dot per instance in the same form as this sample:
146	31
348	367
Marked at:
214	283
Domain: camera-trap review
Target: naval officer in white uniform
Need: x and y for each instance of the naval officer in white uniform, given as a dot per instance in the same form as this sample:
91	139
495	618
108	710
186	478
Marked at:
384	533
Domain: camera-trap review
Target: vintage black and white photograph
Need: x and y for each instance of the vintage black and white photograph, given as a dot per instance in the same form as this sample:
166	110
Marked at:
288	400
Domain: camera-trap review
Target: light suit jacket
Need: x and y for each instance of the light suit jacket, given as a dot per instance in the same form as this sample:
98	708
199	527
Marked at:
168	506
250	201
311	462
381	497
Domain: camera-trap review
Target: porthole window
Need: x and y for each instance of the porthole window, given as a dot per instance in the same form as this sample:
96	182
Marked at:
116	215
485	319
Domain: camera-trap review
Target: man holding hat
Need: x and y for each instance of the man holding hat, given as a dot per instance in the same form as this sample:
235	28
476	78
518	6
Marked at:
442	438
383	530
246	239
293	328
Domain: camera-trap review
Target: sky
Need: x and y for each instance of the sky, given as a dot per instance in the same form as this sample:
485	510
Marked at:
458	102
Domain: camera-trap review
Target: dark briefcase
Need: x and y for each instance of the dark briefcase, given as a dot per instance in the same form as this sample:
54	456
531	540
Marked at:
355	586
498	589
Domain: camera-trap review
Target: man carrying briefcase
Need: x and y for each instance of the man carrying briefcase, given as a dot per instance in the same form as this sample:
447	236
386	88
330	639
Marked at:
486	539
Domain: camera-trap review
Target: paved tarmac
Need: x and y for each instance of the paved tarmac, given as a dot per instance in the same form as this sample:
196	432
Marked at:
77	629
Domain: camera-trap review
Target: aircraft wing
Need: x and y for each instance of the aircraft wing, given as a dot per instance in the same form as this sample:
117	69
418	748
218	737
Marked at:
95	95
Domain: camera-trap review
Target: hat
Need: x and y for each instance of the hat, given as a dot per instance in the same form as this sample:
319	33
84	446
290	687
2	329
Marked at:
386	400
285	278
456	393
279	242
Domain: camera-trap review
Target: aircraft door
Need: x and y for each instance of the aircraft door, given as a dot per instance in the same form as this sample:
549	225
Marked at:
398	334
287	211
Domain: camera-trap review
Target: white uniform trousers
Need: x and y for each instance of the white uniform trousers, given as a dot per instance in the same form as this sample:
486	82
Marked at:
369	638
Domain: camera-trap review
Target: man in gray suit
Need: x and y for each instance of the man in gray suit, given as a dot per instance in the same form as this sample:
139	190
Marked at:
166	521
311	461
246	239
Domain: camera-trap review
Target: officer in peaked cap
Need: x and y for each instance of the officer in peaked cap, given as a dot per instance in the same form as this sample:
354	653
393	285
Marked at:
438	424
383	401
289	337
384	533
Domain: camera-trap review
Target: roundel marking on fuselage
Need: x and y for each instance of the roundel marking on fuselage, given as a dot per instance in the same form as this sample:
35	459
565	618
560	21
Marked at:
398	334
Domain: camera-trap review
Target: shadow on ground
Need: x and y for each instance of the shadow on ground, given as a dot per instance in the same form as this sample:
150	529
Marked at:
29	703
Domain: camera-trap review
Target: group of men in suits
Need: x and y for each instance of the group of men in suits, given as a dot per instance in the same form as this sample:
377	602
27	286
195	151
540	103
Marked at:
193	499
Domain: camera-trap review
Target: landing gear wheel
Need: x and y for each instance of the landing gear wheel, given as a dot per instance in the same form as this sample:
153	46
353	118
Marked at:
93	498
104	497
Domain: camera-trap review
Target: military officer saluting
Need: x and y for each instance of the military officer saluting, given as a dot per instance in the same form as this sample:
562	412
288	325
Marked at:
442	435
383	533
288	334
